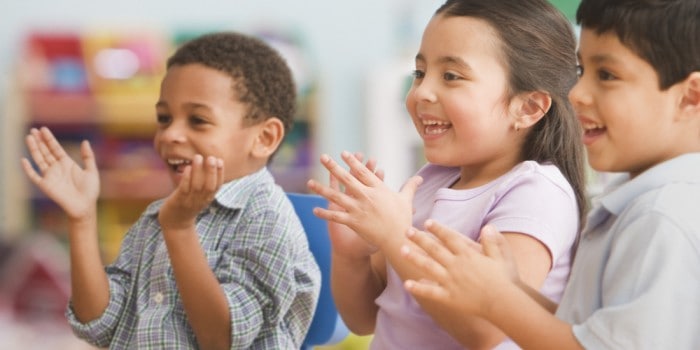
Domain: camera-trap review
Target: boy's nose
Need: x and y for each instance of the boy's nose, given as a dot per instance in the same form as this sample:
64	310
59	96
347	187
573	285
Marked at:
173	133
578	95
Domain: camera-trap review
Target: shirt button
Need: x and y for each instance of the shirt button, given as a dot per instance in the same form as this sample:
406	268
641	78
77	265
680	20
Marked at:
158	298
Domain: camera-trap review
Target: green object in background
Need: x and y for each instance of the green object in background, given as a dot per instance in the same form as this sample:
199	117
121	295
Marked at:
568	7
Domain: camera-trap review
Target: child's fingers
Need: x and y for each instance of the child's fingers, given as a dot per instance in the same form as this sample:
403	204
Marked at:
198	177
210	174
380	174
219	172
372	166
31	173
333	182
493	242
337	216
185	185
88	156
37	156
426	289
333	195
431	246
342	175
360	171
454	241
41	153
430	262
411	185
52	144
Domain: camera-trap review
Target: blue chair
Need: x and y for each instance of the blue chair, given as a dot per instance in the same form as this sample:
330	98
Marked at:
326	327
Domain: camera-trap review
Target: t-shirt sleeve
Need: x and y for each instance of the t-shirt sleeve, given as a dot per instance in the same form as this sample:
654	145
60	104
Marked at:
539	206
651	285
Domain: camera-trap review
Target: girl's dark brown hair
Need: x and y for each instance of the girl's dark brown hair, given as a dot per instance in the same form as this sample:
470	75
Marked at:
539	50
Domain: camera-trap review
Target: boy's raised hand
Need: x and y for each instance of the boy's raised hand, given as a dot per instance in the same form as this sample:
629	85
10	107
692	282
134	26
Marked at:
197	188
367	205
462	274
73	188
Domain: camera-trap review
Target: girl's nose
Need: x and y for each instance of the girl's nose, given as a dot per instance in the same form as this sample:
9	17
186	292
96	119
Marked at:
423	91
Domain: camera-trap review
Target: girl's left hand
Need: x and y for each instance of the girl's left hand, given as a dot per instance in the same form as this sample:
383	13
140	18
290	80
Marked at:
369	206
197	188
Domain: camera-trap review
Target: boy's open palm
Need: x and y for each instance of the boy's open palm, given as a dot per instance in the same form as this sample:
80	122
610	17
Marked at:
73	188
197	188
462	274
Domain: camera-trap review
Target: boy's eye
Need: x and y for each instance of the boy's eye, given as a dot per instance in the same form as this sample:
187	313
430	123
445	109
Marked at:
418	74
450	76
197	120
605	75
163	118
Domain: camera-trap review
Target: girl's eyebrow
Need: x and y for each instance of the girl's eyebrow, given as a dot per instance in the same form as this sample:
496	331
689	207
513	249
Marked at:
448	60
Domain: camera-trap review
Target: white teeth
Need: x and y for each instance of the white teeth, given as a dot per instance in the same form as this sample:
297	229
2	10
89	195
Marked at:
434	122
178	161
592	126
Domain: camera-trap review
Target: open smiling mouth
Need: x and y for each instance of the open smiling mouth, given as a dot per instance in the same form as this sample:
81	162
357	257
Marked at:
435	127
178	165
592	129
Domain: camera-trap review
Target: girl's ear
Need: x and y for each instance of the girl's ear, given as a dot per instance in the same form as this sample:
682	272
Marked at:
532	106
269	137
690	101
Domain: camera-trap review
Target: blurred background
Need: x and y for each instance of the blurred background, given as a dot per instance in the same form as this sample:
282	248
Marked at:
91	70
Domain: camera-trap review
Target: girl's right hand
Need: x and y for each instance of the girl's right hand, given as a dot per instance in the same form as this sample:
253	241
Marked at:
73	188
344	241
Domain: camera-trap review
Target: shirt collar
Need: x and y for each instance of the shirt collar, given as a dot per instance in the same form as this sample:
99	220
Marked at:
233	194
681	169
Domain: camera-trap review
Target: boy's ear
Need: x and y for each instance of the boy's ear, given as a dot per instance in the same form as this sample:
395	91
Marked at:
690	102
269	137
531	108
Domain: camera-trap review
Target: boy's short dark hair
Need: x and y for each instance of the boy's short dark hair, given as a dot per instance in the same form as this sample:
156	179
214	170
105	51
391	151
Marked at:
262	78
665	33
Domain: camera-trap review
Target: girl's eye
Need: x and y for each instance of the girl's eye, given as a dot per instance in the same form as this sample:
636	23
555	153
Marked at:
418	74
579	70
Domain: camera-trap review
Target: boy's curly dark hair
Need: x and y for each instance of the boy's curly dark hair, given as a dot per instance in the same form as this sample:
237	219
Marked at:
261	77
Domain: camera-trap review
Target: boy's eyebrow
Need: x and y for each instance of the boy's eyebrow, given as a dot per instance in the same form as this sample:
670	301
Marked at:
186	104
599	58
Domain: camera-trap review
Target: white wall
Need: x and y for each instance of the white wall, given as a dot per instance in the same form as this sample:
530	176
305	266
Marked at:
347	38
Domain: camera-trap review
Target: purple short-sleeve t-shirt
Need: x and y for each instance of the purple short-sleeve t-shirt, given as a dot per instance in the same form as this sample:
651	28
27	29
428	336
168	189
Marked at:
533	199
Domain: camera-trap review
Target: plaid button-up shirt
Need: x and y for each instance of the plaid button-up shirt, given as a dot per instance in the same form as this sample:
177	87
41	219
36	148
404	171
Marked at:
258	251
